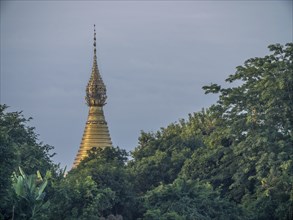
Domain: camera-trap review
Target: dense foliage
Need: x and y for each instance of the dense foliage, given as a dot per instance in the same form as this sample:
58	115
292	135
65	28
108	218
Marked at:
29	190
257	119
233	160
19	147
99	186
188	199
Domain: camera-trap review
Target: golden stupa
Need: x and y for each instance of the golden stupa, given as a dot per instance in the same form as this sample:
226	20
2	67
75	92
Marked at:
96	132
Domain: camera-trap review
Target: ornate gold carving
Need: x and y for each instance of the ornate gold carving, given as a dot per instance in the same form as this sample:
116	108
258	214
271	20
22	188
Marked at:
96	89
97	122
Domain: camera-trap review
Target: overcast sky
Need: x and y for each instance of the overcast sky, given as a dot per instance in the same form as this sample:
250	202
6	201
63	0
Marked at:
154	58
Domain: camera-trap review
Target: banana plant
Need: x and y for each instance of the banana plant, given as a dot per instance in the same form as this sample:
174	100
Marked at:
30	194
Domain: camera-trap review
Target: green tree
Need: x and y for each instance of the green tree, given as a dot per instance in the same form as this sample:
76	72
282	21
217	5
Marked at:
19	147
79	197
108	168
161	155
29	195
188	200
99	186
249	154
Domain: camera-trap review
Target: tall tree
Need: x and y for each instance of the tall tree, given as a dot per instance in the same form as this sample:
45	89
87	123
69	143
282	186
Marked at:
250	156
19	147
99	186
161	155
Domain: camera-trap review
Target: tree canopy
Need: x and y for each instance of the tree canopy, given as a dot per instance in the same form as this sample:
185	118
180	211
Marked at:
19	147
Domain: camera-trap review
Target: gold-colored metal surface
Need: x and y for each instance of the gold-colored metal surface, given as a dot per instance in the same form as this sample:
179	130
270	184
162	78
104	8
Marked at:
96	132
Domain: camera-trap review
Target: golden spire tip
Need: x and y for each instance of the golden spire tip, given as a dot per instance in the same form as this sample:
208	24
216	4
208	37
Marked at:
95	36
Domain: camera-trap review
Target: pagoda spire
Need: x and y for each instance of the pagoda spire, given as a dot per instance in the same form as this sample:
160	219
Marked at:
96	132
96	89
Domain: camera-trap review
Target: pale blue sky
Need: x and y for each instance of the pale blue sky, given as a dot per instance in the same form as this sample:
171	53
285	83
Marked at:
154	58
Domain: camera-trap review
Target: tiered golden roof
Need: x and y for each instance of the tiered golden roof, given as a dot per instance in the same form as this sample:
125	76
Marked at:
96	132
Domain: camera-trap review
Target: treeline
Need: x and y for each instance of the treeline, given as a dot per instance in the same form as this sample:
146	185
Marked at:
233	160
